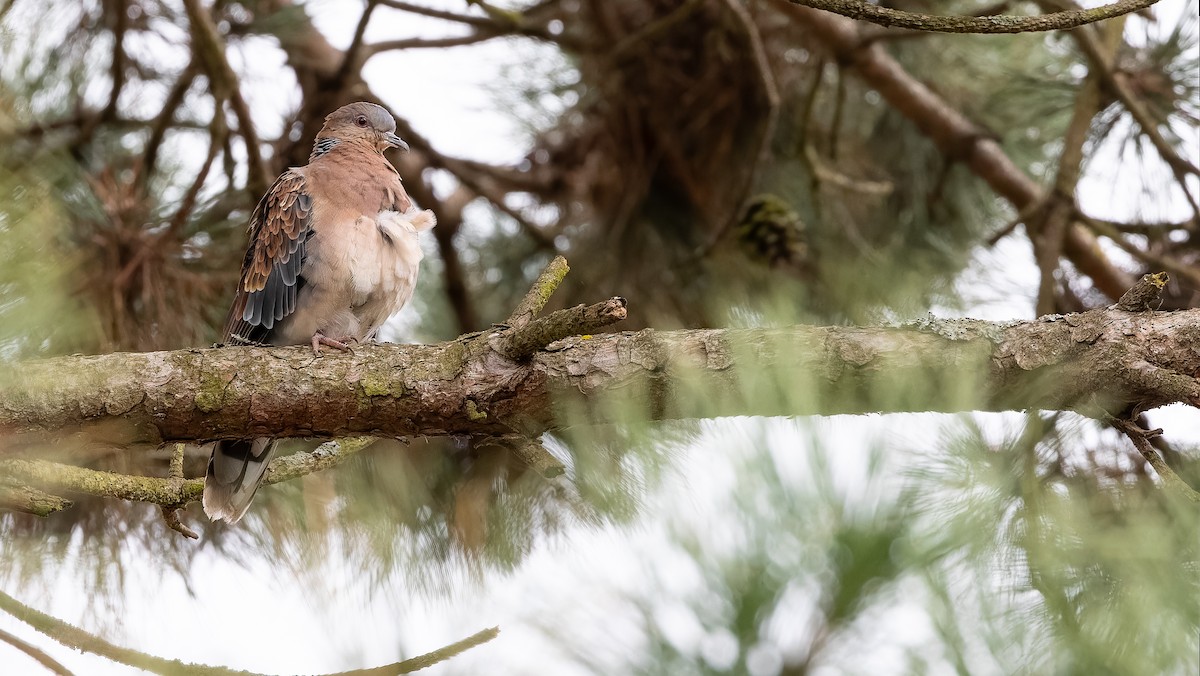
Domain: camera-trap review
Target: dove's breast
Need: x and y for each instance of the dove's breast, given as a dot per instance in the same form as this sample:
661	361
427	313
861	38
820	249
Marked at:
356	275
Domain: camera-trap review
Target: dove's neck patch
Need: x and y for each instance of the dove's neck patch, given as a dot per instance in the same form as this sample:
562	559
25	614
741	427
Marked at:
321	147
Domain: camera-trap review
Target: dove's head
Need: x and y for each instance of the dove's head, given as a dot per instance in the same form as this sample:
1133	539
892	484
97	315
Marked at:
363	123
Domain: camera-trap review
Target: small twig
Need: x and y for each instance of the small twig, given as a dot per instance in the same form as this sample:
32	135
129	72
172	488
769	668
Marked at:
1024	215
885	16
1155	229
428	659
519	344
172	519
36	653
539	294
186	205
170	513
1141	441
826	174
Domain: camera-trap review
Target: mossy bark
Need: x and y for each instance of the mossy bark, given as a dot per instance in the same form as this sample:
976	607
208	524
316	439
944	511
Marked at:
1103	360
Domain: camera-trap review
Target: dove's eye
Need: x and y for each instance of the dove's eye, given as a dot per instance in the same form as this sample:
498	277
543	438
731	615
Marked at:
361	121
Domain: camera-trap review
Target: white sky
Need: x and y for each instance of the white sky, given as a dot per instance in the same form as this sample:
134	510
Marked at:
264	620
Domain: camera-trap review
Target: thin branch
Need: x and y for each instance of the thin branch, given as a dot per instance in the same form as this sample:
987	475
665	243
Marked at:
56	476
218	135
428	659
1141	441
326	456
170	513
885	16
350	61
171	492
1152	229
1106	229
78	639
158	130
476	21
1048	232
428	43
36	653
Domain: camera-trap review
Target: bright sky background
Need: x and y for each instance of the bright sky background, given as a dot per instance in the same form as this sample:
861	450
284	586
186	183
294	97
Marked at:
265	620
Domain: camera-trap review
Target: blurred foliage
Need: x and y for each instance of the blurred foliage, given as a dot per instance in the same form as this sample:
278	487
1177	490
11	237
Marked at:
648	162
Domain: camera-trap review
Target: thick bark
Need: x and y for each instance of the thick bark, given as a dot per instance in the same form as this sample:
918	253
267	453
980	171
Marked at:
1106	360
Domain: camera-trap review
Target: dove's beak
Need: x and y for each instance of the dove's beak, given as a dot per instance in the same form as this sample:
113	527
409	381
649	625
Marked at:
395	141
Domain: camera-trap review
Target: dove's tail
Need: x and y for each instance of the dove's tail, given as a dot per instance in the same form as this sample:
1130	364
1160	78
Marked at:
234	473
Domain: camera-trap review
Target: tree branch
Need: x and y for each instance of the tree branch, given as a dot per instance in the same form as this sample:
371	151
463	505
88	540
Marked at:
1100	360
885	16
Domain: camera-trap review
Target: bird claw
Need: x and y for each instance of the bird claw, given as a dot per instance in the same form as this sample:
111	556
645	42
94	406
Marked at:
320	339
